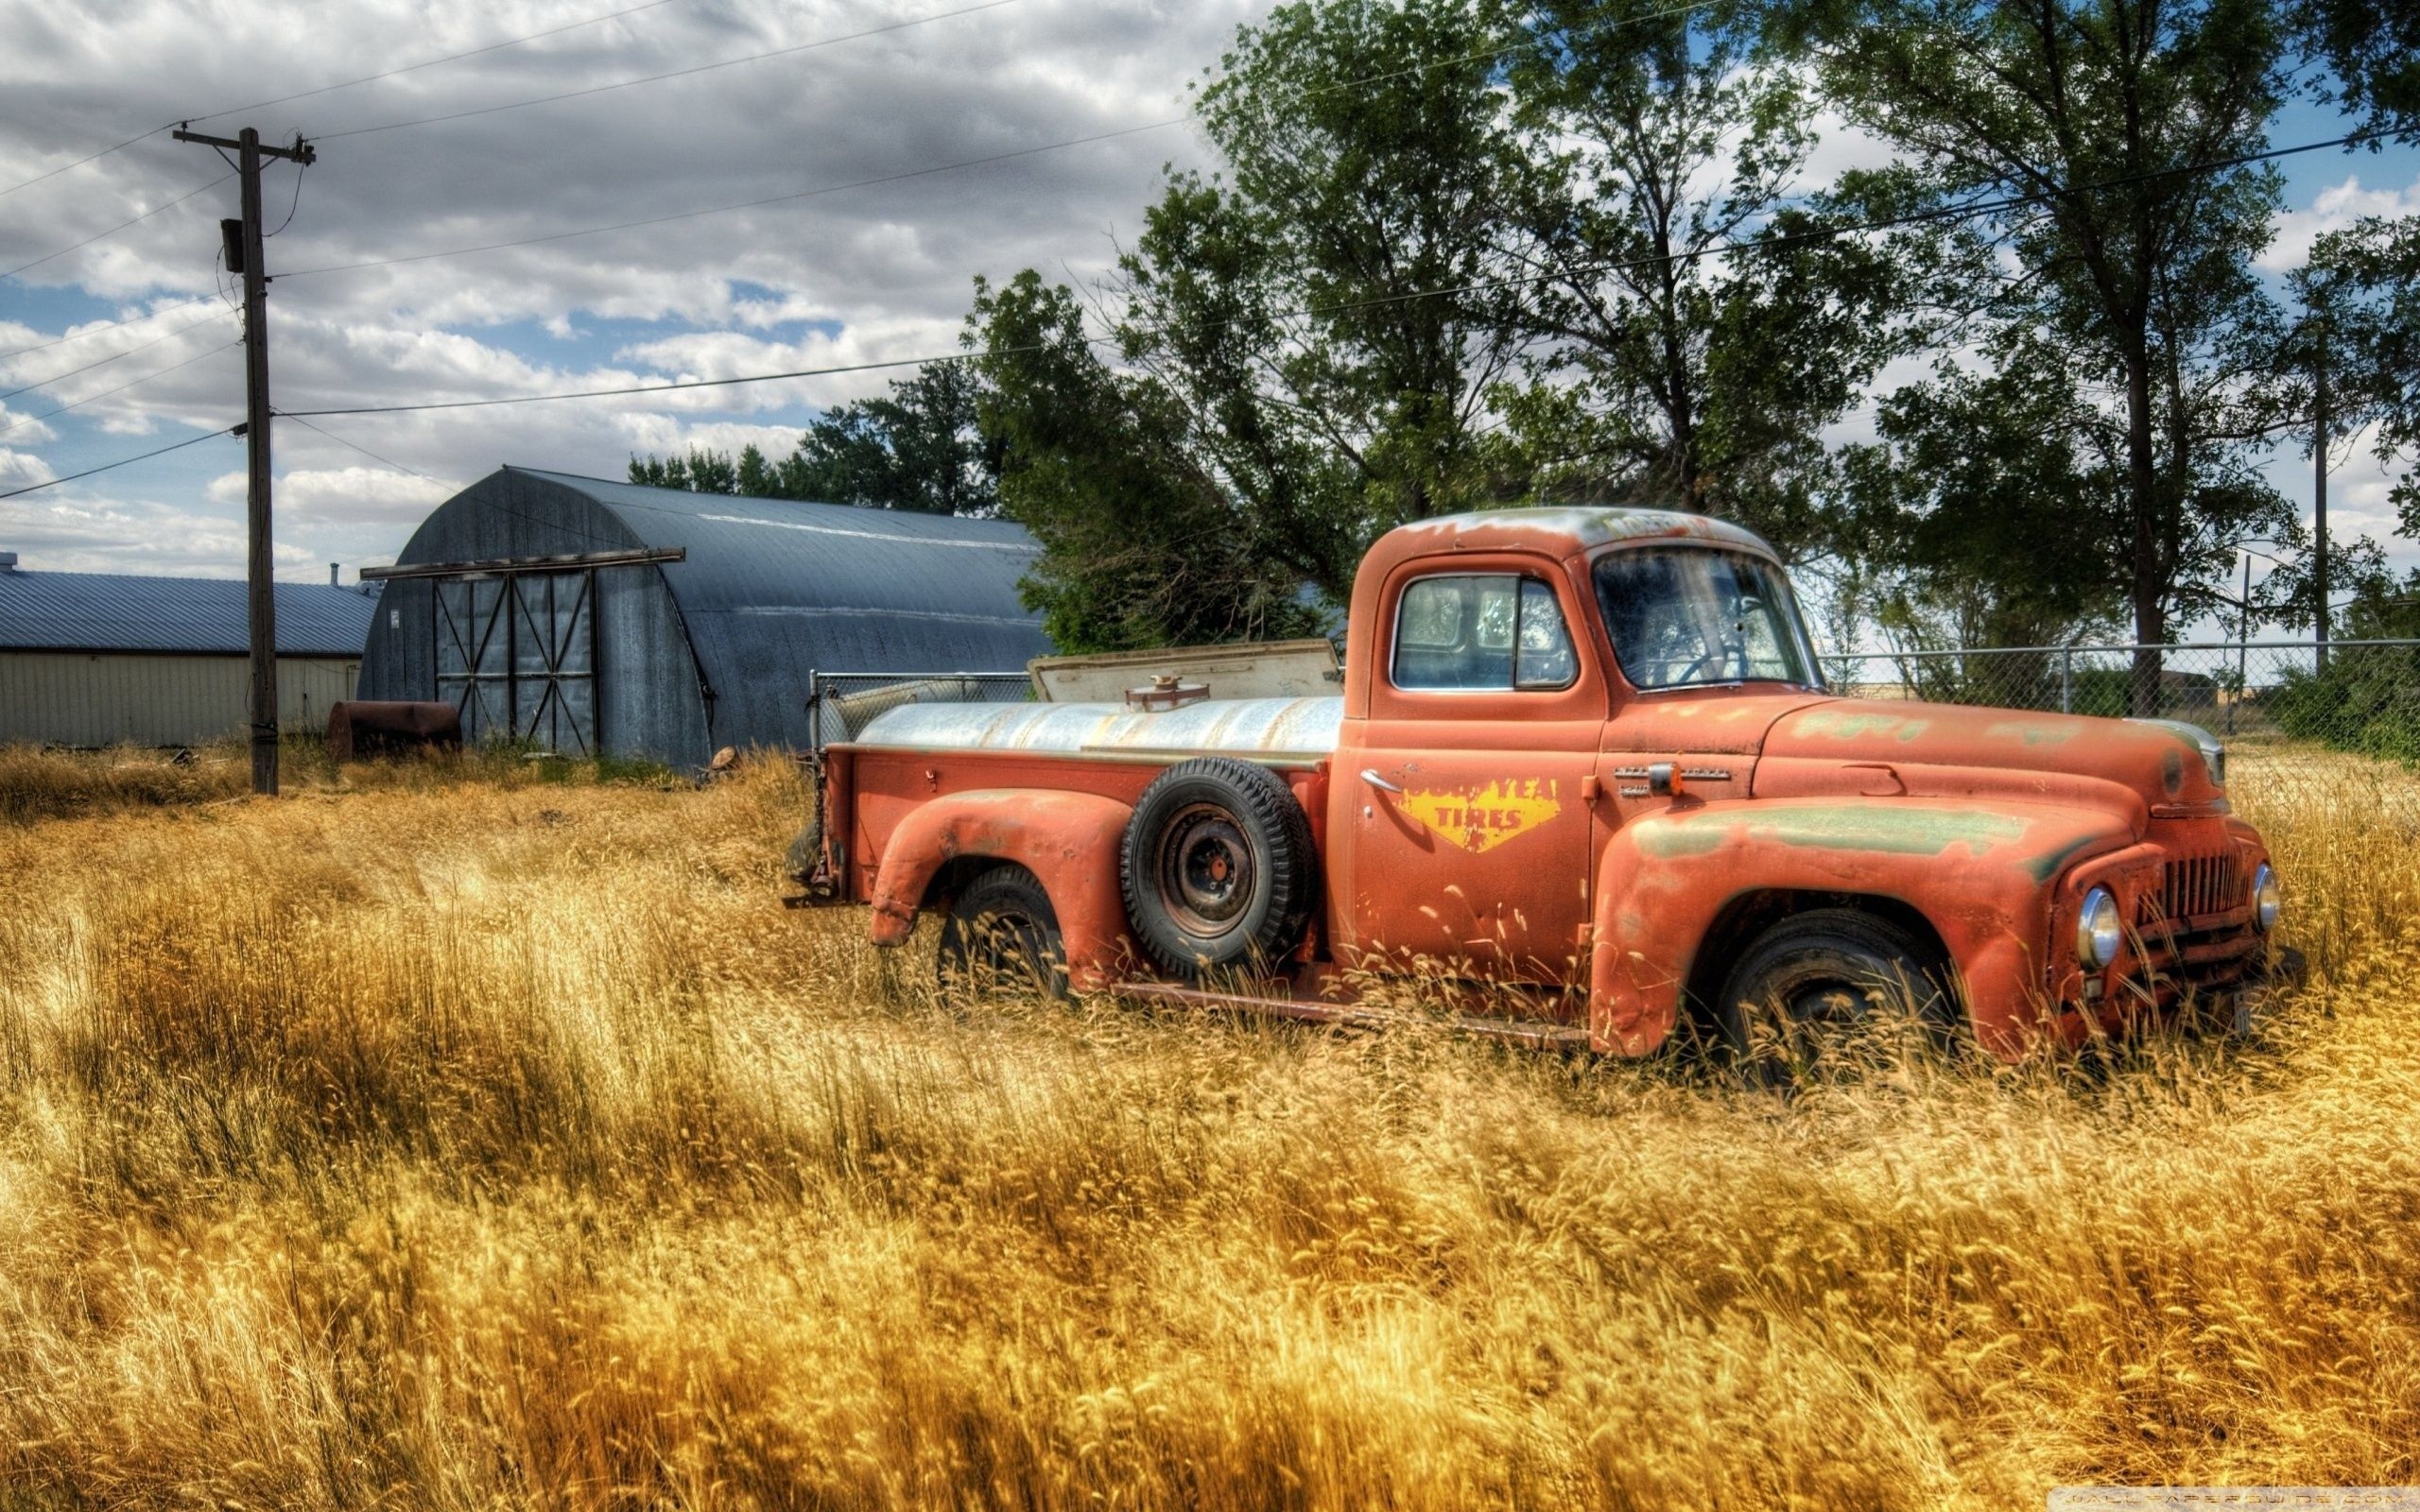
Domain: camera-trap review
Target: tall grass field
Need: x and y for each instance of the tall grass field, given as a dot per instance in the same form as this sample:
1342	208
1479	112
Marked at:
491	1135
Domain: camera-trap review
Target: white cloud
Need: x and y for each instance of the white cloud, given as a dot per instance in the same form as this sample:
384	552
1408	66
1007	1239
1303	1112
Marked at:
23	430
17	469
664	434
2334	208
857	275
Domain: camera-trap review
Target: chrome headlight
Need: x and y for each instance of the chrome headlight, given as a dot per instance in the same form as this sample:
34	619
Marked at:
2267	898
2100	931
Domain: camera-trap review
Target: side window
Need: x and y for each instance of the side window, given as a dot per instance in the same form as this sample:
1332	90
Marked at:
1481	632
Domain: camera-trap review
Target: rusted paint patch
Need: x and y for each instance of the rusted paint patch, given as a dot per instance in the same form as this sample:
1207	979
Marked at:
1903	829
1842	722
2033	731
2043	868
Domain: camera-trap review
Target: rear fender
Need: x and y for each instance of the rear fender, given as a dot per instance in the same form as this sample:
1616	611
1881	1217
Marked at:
1068	840
1982	876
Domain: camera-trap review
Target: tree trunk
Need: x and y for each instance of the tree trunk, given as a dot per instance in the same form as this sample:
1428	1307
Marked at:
2142	501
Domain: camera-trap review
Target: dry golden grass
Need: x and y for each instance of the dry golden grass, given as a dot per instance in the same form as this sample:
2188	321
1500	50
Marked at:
498	1143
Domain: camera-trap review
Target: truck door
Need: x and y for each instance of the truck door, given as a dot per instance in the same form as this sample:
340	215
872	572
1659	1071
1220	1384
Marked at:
1462	799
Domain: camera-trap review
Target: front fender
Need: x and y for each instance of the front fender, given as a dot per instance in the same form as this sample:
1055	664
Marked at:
1068	840
1981	874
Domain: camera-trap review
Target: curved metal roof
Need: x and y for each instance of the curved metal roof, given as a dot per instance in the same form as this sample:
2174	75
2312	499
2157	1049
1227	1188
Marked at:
773	583
201	616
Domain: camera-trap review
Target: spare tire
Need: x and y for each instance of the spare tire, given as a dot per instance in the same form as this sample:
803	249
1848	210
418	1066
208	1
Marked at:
1219	867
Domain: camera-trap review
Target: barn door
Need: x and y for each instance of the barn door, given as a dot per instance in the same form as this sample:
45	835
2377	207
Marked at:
517	655
474	654
554	662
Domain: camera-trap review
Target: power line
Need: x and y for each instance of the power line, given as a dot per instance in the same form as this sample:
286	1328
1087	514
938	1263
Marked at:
1524	45
878	179
89	157
119	226
45	382
1769	244
634	388
746	204
676	73
123	461
326	89
120	389
600	88
291	207
432	63
356	446
113	325
918	173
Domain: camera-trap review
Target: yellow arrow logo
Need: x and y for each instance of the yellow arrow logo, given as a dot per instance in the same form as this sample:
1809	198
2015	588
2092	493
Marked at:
1480	821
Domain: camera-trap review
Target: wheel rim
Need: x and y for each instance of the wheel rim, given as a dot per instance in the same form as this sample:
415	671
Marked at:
1206	873
1827	1003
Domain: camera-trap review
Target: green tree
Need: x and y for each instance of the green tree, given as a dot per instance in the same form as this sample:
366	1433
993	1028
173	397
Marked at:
1972	477
920	448
1687	347
702	470
2363	283
1143	545
1329	310
2086	130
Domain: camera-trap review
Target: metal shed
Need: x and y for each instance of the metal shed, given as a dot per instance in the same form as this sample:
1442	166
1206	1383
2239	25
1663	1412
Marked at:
95	659
600	617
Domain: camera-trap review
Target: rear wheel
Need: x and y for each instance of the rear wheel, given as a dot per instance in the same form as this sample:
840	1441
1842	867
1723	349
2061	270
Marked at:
1002	937
1218	868
1835	985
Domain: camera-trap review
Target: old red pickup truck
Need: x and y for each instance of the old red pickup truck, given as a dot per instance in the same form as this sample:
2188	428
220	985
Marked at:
1585	772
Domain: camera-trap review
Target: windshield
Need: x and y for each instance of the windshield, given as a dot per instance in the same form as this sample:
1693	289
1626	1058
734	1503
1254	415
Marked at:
1683	618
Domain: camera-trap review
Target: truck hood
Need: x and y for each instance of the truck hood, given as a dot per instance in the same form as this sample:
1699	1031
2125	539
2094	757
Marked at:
2163	763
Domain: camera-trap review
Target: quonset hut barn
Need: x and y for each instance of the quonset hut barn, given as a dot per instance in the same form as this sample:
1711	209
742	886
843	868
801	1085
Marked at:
606	618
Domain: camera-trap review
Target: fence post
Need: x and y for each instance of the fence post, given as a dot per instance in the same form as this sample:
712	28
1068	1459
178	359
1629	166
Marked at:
2066	681
815	710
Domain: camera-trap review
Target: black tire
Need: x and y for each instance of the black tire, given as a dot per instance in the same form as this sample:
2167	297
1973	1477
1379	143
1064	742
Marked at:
1829	977
1219	867
1002	937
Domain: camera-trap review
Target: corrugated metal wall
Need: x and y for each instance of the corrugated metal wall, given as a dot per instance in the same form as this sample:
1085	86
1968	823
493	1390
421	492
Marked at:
80	698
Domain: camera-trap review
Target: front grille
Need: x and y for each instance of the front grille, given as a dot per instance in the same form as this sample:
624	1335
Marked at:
2196	925
2195	888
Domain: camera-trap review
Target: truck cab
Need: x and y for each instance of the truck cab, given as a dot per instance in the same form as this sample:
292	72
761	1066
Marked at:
1583	771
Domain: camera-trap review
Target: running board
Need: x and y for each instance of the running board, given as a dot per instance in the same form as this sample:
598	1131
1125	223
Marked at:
1533	1034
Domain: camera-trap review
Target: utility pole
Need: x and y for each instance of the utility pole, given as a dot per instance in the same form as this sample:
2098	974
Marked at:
243	244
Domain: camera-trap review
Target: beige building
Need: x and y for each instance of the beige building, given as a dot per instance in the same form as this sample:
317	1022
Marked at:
90	658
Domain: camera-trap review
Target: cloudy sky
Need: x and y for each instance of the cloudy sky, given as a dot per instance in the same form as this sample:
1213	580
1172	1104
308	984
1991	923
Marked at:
864	274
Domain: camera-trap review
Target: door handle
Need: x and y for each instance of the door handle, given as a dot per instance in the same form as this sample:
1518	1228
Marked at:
1370	775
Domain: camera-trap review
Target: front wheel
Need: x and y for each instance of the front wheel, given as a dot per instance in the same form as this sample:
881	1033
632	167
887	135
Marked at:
1831	985
1002	937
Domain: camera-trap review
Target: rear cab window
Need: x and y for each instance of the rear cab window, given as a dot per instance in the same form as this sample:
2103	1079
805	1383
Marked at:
1480	632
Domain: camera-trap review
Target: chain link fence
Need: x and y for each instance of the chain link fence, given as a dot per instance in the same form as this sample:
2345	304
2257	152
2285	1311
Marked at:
2292	713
